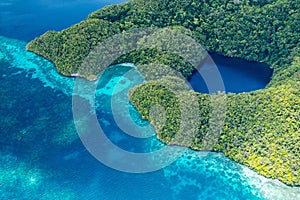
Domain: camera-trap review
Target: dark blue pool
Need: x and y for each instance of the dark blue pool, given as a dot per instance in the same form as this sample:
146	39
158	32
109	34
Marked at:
238	75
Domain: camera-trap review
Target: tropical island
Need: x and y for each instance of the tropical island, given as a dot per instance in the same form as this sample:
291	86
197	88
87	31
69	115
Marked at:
261	129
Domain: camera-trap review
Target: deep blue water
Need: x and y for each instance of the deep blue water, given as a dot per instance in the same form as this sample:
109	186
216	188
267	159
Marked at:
41	155
238	75
28	19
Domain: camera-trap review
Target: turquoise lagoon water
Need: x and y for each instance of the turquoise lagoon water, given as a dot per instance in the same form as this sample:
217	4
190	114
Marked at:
42	156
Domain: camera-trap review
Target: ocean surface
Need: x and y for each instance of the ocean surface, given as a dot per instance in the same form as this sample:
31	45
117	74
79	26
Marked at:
41	154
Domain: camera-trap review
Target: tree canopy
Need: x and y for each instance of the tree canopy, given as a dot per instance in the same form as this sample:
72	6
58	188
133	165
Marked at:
261	128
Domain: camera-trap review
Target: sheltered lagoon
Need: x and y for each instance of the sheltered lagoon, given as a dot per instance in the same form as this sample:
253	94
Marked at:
238	75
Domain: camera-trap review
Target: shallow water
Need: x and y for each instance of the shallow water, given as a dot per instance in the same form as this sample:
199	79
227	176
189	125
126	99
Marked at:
42	155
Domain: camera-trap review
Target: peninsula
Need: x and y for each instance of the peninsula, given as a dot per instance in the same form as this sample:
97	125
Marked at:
261	129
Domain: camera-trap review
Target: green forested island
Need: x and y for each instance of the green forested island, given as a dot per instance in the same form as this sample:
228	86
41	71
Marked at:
261	128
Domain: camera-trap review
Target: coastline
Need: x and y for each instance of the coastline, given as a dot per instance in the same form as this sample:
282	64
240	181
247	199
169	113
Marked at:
266	101
43	73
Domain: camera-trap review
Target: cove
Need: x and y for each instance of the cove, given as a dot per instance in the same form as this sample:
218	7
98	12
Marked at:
238	75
